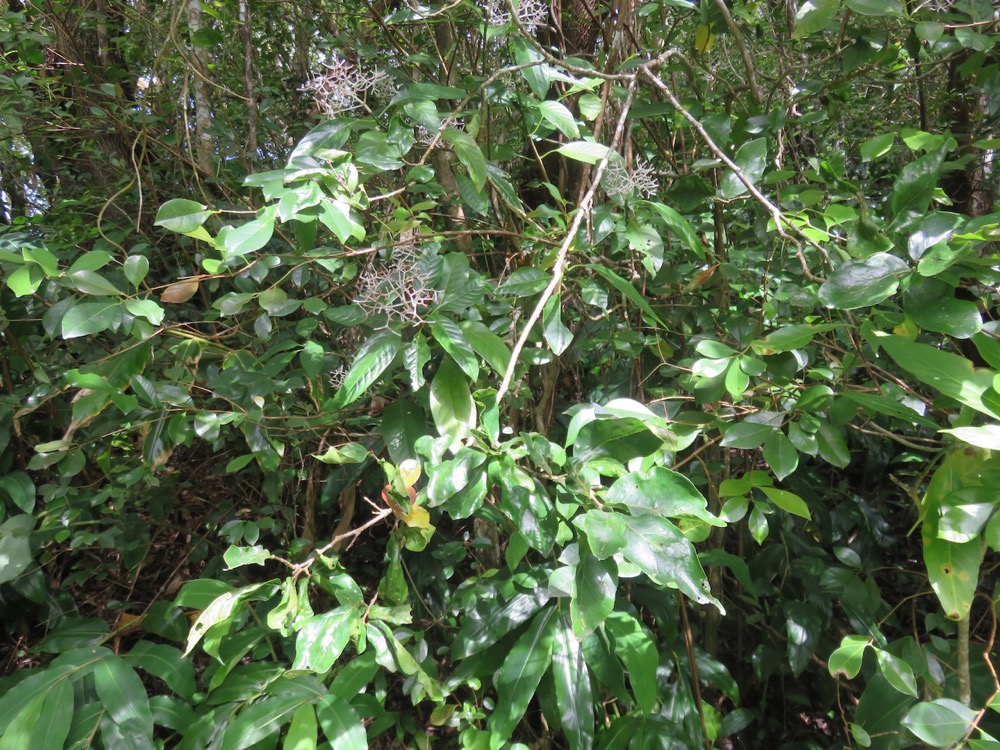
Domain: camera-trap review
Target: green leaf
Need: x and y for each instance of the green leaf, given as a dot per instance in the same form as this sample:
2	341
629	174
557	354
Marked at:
145	308
15	546
814	16
987	436
680	226
53	723
787	501
374	358
619	439
518	678
914	187
403	423
221	611
349	453
752	160
606	532
847	659
89	318
940	723
20	731
341	724
746	435
469	153
167	663
594	598
804	623
953	570
322	638
932	306
303	730
952	375
573	688
20	489
124	698
182	216
879	8
832	446
781	456
788	338
249	237
453	340
559	115
875	148
636	649
662	552
626	288
660	491
965	512
588	152
897	673
487	345
537	76
89	282
862	283
557	335
452	407
259	721
236	557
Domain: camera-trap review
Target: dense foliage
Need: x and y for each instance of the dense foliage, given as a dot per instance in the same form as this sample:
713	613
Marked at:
483	375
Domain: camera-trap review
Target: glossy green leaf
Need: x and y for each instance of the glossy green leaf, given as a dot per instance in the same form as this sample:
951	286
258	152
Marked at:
679	226
19	732
781	456
403	423
15	546
897	673
249	237
236	557
915	185
222	609
862	283
605	532
965	512
487	345
787	338
813	16
340	724
259	721
986	436
746	435
452	407
847	659
559	116
90	317
20	489
619	439
166	663
752	161
832	446
348	453
182	216
518	678
373	359
124	698
878	146
932	306
804	624
787	501
93	284
453	340
940	723
573	688
588	152
953	570
537	75
880	8
662	552
952	375
53	723
662	492
322	638
556	334
594	595
634	646
627	289
469	154
303	730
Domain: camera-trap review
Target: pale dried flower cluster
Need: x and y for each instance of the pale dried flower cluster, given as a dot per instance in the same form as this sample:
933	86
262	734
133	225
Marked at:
399	288
620	180
341	86
531	13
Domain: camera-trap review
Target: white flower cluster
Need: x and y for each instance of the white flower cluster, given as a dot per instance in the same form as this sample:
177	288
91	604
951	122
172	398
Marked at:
400	288
342	85
531	13
620	180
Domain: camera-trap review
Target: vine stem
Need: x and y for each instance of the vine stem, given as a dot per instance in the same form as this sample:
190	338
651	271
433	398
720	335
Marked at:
559	267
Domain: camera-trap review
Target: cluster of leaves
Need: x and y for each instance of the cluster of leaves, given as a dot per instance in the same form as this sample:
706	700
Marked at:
550	399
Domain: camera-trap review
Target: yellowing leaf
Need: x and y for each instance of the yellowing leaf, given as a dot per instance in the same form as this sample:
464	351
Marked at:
178	292
703	38
417	518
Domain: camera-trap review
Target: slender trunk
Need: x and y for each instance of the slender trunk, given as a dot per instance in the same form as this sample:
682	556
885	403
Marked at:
203	146
247	34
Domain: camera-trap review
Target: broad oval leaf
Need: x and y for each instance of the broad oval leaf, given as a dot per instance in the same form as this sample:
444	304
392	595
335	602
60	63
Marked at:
181	215
452	406
862	283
